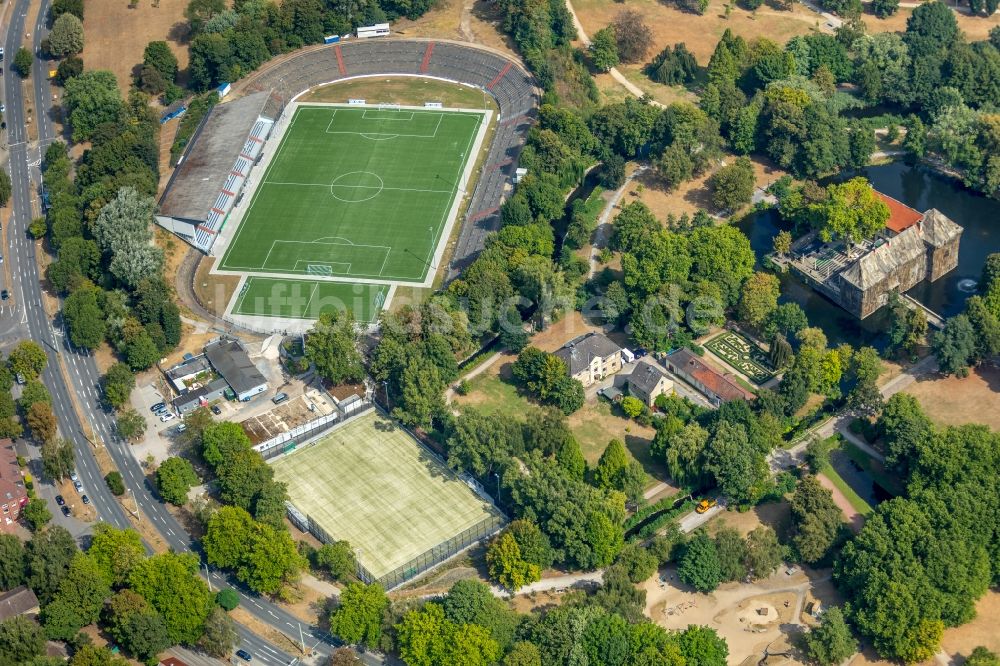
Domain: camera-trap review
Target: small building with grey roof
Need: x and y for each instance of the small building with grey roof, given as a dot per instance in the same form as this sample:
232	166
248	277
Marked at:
231	360
647	382
18	601
209	178
591	357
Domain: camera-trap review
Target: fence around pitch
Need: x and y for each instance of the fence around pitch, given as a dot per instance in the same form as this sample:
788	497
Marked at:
279	444
484	529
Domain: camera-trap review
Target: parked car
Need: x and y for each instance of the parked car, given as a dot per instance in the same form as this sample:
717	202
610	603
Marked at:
169	416
216	410
158	407
85	499
73	476
4	294
78	486
280	398
65	511
244	655
59	500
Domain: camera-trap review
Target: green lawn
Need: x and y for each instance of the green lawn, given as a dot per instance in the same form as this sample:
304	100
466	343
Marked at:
860	505
356	192
308	299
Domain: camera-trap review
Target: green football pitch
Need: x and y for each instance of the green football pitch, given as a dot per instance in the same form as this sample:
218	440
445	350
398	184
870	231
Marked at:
355	192
308	299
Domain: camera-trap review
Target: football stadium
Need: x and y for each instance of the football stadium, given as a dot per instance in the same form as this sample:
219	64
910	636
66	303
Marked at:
306	207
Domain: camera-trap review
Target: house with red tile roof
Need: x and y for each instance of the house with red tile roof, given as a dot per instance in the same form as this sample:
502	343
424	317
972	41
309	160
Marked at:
717	386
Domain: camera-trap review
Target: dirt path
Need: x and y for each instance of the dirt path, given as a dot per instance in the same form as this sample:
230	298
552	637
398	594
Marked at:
855	519
603	231
449	395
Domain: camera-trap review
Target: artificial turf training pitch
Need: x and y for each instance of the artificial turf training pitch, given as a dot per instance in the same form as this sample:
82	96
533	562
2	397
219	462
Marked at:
361	192
308	299
368	482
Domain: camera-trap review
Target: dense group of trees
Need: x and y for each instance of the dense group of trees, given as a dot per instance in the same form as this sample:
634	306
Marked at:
145	603
99	224
227	43
469	625
248	534
973	336
923	559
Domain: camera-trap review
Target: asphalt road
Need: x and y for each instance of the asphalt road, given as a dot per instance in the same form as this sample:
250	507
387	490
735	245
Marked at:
28	319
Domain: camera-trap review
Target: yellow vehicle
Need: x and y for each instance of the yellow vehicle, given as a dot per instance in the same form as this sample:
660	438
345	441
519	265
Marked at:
705	505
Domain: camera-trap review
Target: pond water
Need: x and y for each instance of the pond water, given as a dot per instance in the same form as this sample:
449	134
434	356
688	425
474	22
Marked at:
920	188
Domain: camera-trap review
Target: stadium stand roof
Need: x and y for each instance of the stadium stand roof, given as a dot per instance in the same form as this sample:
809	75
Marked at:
211	174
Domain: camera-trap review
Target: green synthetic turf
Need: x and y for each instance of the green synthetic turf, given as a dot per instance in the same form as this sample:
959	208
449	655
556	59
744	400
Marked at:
355	192
308	299
369	483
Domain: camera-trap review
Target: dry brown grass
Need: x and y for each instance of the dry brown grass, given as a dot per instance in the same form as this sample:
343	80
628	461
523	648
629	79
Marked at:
975	28
691	195
214	291
954	401
475	21
117	35
700	33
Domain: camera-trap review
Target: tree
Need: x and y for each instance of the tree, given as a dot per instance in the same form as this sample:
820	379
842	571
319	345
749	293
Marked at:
853	212
632	407
955	345
47	558
699	566
227	599
66	37
91	655
36	514
616	470
116	552
732	185
817	521
28	359
91	100
673	66
42	422
701	646
199	12
169	582
22	62
20	639
764	552
158	55
337	558
740	470
118	384
982	657
5	187
831	642
333	348
34	392
884	8
674	166
732	554
131	424
758	298
174	479
220	441
604	49
78	602
633	36
221	636
358	617
69	68
11	562
472	602
58	458
506	564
